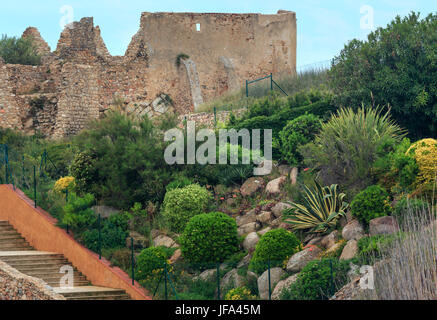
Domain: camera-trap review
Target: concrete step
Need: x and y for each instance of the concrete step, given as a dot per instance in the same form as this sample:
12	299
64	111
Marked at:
14	247
5	229
12	240
40	267
77	283
10	237
37	263
55	281
11	231
31	255
6	246
97	297
92	293
48	273
17	252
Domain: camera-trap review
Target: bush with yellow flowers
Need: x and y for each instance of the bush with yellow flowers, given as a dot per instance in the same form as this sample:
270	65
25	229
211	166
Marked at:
425	153
240	293
63	184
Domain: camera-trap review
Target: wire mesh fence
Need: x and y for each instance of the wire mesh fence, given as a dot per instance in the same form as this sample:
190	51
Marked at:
35	176
224	281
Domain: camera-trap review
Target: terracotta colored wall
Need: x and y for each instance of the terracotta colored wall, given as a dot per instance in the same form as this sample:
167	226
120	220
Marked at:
40	230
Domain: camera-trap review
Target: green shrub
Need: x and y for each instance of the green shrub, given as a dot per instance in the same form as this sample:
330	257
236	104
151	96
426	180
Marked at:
84	171
209	238
150	263
113	233
180	205
273	113
411	210
395	67
347	146
370	249
396	170
126	165
276	245
178	183
78	213
19	51
371	203
314	282
297	132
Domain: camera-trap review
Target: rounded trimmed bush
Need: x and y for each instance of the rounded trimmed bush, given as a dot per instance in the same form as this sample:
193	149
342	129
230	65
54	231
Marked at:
373	202
150	262
63	184
181	204
297	132
209	238
276	245
425	153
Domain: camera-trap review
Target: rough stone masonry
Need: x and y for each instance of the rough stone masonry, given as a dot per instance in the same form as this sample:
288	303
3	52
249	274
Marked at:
175	61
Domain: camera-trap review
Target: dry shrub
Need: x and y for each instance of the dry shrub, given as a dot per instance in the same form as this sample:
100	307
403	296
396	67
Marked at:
408	270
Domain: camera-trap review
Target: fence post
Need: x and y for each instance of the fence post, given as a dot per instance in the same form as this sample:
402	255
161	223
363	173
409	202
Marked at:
247	89
66	195
34	184
271	81
100	239
270	283
133	259
218	281
215	117
165	281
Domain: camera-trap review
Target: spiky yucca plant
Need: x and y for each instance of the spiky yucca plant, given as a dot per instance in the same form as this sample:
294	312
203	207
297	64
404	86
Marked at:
321	208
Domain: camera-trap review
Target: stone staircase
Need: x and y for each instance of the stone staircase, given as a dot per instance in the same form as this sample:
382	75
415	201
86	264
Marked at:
16	251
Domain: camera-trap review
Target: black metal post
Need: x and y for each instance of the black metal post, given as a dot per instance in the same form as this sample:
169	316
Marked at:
165	281
100	239
247	89
271	81
218	281
215	117
270	284
34	184
66	195
133	259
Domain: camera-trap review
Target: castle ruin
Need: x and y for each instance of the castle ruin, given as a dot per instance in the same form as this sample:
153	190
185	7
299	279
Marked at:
175	61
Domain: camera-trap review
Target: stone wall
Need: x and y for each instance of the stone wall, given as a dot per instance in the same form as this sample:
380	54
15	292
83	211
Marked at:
176	61
206	119
16	286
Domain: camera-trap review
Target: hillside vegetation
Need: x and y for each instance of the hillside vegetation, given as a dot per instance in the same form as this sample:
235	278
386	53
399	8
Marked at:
352	185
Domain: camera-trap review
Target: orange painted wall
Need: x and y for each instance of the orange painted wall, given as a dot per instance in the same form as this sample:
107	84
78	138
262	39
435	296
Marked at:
40	230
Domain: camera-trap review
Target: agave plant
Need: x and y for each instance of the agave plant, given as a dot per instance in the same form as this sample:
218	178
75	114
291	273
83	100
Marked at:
322	207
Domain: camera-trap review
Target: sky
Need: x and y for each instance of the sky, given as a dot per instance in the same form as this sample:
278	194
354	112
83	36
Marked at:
323	26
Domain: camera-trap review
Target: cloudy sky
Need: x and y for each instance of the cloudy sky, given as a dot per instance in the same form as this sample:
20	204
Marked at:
324	26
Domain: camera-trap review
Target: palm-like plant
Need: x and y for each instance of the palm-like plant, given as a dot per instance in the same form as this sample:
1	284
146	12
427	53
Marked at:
322	207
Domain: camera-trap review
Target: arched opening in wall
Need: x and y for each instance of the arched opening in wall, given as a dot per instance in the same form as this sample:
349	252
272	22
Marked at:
198	27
